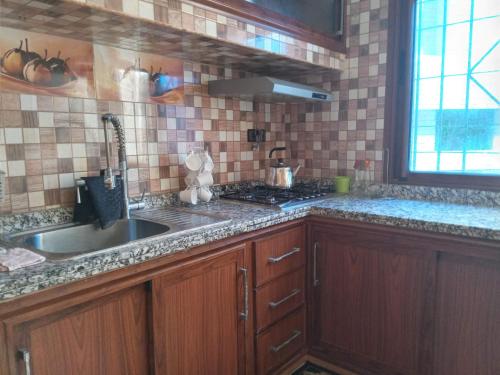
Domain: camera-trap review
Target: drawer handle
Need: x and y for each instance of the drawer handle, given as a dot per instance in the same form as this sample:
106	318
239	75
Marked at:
315	265
295	334
284	256
244	314
26	357
294	292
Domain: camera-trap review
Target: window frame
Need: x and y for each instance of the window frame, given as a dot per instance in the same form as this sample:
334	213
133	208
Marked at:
398	109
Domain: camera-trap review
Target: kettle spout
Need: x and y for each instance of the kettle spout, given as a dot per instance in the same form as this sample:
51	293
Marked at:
297	170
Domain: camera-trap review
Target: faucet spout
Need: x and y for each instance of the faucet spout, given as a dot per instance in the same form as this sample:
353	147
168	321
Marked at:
120	134
109	177
122	163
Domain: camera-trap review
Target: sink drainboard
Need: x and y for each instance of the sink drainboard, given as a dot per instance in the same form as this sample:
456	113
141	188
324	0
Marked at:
181	220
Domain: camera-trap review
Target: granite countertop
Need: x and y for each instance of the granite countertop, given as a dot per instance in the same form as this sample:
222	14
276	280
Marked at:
455	219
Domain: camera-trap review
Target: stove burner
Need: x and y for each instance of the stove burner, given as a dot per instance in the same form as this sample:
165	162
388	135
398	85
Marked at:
279	197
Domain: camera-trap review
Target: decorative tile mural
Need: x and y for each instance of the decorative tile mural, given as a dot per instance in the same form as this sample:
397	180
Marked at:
137	77
36	63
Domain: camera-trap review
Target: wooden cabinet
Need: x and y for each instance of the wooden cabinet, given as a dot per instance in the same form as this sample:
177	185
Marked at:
278	254
389	301
279	298
371	294
276	299
278	344
105	336
191	313
193	317
467	326
374	299
199	313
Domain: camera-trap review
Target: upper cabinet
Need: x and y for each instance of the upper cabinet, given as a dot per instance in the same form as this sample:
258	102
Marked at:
321	24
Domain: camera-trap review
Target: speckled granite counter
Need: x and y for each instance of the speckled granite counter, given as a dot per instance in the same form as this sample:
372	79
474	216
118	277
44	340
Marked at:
455	219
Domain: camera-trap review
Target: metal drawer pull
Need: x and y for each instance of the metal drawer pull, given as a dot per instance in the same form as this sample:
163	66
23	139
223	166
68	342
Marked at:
295	334
294	292
286	255
25	354
315	265
244	314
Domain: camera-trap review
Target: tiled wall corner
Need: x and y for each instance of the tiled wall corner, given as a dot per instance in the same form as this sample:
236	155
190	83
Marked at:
327	138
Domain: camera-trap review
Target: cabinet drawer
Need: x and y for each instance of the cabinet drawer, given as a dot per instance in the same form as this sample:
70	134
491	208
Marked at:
279	254
277	345
277	298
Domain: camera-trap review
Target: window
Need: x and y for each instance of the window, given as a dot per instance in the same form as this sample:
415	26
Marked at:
447	59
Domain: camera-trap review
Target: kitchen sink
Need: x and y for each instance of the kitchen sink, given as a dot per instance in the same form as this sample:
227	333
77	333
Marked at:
70	241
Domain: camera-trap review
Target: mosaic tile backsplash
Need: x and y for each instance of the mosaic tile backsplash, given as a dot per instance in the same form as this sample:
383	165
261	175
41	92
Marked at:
48	141
329	137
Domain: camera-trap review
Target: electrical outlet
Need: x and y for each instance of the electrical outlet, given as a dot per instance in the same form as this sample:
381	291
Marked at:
256	135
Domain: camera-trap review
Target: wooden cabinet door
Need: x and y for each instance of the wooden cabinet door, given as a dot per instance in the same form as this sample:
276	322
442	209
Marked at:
372	296
108	336
467	333
199	313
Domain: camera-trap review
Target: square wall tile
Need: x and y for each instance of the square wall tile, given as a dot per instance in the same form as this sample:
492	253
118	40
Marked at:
13	135
29	102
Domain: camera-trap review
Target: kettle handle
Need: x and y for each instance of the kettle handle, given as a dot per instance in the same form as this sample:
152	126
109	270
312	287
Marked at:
297	169
276	149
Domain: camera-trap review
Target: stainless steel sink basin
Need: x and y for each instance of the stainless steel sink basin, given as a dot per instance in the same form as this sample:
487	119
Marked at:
72	240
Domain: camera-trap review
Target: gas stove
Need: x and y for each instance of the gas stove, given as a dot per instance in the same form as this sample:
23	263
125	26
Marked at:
282	198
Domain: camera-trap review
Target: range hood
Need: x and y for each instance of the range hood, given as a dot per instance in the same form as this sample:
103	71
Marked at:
267	89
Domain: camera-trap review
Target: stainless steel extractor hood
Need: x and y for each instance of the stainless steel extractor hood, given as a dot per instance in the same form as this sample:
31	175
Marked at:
267	89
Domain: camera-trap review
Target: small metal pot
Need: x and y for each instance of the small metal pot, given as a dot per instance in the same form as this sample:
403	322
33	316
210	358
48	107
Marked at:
279	174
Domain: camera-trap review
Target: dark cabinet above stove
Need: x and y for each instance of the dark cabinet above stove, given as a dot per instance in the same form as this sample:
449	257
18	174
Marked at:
318	22
320	15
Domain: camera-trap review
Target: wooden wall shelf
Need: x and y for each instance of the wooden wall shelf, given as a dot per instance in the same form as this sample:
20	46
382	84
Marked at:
115	28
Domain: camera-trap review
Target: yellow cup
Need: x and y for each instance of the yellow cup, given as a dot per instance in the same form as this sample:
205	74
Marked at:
342	184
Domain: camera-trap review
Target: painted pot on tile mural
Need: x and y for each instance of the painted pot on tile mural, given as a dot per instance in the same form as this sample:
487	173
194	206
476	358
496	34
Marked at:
128	79
14	60
161	83
136	79
29	66
154	84
61	73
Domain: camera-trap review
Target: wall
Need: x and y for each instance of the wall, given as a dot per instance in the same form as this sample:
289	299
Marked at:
329	138
46	142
